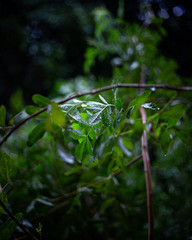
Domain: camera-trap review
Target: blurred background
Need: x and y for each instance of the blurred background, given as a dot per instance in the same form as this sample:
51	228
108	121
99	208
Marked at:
58	47
43	42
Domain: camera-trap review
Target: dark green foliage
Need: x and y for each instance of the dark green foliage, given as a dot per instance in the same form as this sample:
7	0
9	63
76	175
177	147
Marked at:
66	168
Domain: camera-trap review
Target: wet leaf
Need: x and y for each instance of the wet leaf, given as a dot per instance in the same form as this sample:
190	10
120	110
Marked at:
36	134
80	150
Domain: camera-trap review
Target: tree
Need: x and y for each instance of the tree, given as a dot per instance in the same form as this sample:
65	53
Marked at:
68	167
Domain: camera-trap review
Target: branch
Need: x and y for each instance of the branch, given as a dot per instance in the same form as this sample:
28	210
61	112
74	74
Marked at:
146	162
92	92
16	221
71	194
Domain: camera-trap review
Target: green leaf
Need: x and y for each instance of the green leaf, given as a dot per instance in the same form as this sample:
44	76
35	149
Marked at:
77	135
84	115
75	115
95	105
92	134
103	99
5	166
124	148
40	100
36	134
106	119
139	100
128	143
95	118
106	204
73	171
185	138
80	150
2	115
3	198
118	104
117	151
90	55
31	109
89	147
57	115
165	141
176	114
75	126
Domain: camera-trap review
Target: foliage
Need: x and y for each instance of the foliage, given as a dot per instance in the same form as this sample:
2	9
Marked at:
66	168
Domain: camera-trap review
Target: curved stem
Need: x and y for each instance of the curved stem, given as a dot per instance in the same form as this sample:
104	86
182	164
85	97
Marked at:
92	92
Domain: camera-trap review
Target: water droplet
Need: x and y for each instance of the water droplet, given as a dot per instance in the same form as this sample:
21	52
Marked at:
153	89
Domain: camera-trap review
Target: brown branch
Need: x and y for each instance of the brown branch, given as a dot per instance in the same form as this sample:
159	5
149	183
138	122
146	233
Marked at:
16	221
76	192
92	92
146	162
127	165
68	195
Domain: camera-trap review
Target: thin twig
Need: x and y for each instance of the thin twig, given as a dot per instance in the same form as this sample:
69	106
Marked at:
16	221
146	162
127	165
71	194
92	92
76	192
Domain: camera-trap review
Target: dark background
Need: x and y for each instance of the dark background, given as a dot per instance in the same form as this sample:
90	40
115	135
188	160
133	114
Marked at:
44	41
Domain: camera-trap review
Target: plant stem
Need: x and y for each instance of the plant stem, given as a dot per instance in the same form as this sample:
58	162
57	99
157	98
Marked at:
146	162
71	194
92	92
16	221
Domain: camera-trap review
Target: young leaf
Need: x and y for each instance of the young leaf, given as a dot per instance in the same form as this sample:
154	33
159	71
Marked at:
5	166
103	99
75	126
80	150
84	115
36	134
40	100
2	115
89	147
